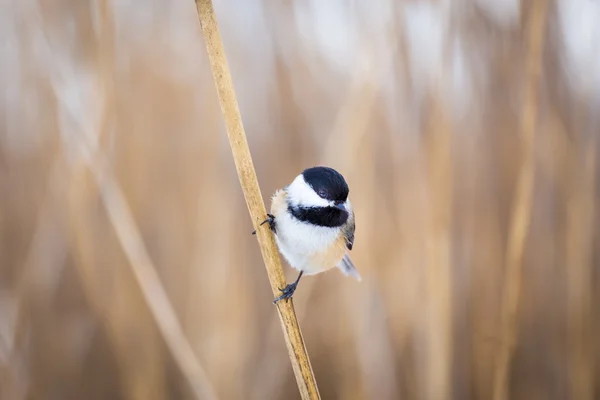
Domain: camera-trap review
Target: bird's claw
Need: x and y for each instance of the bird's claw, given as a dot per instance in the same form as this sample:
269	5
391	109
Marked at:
270	220
287	292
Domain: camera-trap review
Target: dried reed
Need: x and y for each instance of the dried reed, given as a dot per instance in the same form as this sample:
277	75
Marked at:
522	202
243	161
93	177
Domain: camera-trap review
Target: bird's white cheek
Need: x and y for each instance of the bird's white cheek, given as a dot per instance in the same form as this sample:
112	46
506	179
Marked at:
300	193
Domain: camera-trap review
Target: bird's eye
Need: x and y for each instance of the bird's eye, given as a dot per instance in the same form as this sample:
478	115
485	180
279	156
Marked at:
322	193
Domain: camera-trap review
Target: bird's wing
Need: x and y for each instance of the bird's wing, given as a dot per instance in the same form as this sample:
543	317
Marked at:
349	233
346	265
348	268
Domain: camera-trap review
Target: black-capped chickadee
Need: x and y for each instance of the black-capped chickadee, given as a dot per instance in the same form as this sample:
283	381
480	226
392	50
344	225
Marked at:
313	223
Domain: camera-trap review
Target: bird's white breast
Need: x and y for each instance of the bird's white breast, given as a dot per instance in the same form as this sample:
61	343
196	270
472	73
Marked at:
299	241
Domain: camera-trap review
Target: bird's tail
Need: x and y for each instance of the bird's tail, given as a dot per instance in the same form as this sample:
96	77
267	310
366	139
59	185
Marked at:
348	268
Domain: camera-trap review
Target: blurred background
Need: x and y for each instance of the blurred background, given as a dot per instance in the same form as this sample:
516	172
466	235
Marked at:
468	131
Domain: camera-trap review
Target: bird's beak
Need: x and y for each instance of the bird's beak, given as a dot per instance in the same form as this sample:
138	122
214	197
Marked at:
340	206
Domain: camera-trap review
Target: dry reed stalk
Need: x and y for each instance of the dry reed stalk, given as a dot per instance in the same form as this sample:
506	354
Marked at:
38	281
152	289
438	150
438	250
247	175
522	202
118	306
364	306
580	231
140	379
93	162
123	313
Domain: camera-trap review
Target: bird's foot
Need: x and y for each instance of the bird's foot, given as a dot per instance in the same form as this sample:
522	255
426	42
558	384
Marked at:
287	292
270	220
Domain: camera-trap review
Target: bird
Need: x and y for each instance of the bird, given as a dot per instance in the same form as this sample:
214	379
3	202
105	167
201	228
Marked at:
313	223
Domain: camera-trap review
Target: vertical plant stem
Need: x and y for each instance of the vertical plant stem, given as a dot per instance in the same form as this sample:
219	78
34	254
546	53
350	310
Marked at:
580	232
581	229
522	202
249	182
438	245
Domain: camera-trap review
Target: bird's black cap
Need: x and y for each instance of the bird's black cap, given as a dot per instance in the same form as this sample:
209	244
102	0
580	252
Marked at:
327	183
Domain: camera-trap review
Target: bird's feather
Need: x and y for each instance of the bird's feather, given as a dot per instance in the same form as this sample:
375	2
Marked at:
349	232
348	268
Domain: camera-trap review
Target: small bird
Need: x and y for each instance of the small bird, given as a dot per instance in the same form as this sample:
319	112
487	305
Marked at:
313	223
